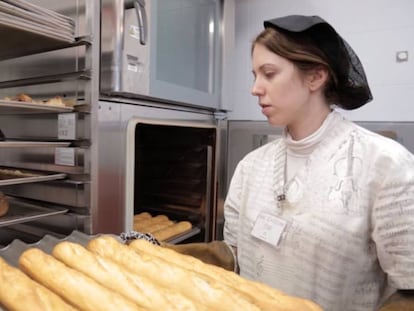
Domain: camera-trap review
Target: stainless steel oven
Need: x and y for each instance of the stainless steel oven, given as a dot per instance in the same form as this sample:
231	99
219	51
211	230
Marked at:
167	50
163	161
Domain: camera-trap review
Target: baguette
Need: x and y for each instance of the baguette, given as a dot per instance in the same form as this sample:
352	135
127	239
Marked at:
143	215
157	226
18	292
264	296
171	231
154	219
141	224
108	273
77	288
203	291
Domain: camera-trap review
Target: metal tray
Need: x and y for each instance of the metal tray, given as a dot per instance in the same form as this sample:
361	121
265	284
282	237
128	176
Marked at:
183	236
26	5
23	30
21	211
12	252
27	15
22	41
28	176
16	107
32	144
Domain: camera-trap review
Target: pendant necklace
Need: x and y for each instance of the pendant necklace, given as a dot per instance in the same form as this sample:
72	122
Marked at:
281	198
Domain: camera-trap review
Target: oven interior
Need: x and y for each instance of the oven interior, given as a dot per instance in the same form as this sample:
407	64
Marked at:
174	175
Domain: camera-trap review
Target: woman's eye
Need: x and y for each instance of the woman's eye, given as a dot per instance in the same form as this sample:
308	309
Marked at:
269	75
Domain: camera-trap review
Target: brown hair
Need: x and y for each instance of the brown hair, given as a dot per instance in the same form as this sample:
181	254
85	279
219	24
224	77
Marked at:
302	52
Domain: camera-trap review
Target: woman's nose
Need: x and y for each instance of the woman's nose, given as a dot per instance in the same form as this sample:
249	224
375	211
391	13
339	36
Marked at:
256	89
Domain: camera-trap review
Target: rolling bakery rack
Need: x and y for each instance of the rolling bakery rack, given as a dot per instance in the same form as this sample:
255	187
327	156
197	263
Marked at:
44	154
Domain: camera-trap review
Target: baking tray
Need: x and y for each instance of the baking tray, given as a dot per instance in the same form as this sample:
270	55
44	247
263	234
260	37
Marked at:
26	5
32	144
183	236
34	17
26	176
29	26
21	211
17	107
12	252
24	41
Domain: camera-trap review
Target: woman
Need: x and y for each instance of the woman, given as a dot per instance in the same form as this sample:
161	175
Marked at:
327	211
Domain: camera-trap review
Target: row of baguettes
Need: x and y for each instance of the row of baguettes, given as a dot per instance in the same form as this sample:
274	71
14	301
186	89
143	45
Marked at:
109	275
160	226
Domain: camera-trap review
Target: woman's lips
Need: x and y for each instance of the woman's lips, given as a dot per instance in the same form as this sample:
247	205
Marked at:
266	109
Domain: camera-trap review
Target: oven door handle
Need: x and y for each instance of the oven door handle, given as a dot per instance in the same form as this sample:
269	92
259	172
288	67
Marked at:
142	21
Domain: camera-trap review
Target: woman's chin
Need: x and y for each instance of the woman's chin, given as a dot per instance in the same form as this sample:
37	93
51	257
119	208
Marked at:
276	122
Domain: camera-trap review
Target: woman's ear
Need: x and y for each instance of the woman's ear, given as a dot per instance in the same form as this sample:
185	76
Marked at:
316	78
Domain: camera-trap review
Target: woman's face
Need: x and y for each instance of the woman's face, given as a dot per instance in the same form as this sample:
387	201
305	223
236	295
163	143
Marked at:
280	87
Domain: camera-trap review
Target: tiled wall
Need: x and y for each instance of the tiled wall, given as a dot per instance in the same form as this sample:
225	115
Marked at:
376	29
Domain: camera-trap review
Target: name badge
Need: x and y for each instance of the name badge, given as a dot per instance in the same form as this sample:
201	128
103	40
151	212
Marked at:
268	228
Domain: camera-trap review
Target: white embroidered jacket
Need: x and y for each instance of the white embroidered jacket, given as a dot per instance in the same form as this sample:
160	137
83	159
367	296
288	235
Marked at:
349	239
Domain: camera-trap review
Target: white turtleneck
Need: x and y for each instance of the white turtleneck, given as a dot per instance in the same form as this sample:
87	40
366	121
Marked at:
298	151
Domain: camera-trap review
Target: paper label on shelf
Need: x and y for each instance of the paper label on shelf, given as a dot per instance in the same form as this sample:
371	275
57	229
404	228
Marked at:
67	126
65	156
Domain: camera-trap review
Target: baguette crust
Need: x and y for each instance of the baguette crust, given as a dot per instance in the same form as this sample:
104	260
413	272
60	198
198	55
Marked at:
204	291
264	296
154	227
108	273
18	292
143	224
72	285
143	215
171	231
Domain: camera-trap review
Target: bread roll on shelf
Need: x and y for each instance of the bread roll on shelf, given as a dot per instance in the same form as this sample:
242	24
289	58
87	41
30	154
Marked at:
266	297
108	273
19	98
55	101
20	293
203	290
72	285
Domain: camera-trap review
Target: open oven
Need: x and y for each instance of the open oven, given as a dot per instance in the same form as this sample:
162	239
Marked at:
170	171
162	161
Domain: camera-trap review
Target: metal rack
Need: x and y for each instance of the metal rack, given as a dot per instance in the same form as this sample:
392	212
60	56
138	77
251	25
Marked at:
17	45
34	136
